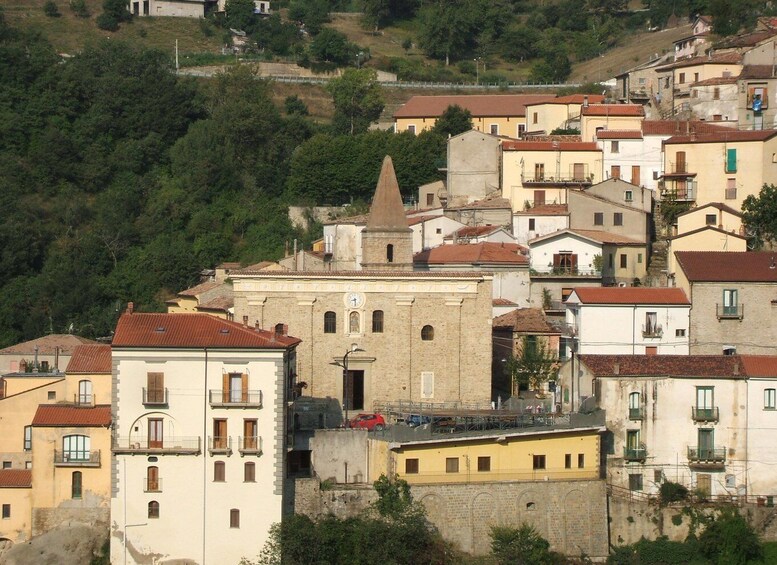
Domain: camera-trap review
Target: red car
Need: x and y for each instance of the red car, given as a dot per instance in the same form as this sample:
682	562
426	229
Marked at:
368	422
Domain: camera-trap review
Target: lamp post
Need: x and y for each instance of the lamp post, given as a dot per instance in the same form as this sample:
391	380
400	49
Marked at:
354	348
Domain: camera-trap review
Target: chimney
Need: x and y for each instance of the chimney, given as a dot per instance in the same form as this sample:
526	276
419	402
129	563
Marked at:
585	101
281	330
130	307
256	325
736	367
245	321
616	368
56	359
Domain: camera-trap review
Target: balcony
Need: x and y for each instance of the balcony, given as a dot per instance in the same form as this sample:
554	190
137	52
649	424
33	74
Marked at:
171	445
566	272
679	169
704	414
556	181
154	396
652	331
83	400
675	193
250	445
734	312
76	458
635	453
707	457
636	413
152	485
220	445
235	398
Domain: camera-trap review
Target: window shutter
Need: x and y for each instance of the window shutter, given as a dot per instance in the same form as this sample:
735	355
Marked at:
556	260
731	160
245	388
225	387
427	384
573	261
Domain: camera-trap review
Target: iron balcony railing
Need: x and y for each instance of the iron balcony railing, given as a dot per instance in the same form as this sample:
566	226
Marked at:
174	445
235	398
635	453
652	331
220	445
250	445
732	312
83	400
76	458
702	414
636	413
152	485
154	396
675	193
707	455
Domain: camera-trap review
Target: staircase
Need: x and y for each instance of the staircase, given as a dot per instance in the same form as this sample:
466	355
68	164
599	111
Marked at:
659	246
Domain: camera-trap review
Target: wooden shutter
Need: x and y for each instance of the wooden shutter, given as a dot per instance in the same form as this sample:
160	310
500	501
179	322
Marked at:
680	168
556	260
635	174
573	261
225	387
244	385
539	197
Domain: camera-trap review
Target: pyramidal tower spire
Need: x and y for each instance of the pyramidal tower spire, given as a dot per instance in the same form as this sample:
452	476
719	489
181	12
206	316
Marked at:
387	241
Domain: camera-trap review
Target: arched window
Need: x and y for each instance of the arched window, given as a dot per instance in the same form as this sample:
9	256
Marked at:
390	253
75	448
152	479
353	323
219	474
330	323
635	406
427	333
76	485
153	509
377	321
85	392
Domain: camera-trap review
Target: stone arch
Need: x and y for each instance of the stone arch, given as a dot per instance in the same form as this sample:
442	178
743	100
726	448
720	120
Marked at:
537	515
437	512
484	513
577	533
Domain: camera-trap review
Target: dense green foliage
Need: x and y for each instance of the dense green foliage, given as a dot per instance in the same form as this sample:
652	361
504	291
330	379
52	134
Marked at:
453	121
759	214
358	100
672	492
534	365
521	546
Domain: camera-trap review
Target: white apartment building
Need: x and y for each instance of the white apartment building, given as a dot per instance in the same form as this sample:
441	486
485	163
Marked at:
200	437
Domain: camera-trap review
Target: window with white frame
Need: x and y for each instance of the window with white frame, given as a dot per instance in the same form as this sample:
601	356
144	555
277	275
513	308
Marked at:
770	399
75	448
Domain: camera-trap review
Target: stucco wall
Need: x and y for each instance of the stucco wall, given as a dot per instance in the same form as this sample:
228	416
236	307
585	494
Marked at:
473	165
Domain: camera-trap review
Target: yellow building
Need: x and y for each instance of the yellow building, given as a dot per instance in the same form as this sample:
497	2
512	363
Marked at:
497	114
508	455
15	485
563	112
535	173
597	117
707	238
686	72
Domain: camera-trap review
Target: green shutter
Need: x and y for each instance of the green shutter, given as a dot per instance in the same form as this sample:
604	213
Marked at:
731	160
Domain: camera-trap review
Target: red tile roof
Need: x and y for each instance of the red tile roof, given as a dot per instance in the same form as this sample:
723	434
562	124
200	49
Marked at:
473	253
631	295
47	345
526	320
744	40
502	302
15	478
663	365
368	275
221	303
573	99
725	136
619	134
732	58
757	71
474	231
550	146
413	220
728	266
545	210
193	330
715	81
200	288
65	415
759	365
90	359
477	104
673	127
614	110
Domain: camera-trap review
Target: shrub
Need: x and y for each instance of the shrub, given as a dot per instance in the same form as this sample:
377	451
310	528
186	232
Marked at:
50	9
107	22
730	540
79	8
672	492
520	546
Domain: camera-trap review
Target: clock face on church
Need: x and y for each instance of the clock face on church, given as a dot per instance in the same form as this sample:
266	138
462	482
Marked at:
354	299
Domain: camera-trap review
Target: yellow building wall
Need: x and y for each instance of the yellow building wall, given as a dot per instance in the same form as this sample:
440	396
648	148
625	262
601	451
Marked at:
636	262
507	125
18	527
704	72
18	411
589	124
18	385
101	387
697	219
547	117
707	240
510	460
186	305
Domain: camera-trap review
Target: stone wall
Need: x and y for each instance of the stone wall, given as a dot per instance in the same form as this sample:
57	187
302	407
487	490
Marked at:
46	519
571	515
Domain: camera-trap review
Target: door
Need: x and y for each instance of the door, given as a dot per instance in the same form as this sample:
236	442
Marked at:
539	171
355	400
236	388
680	166
706	444
539	197
152	479
578	171
249	434
704	402
635	174
156	388
155	437
615	171
704	483
85	392
219	434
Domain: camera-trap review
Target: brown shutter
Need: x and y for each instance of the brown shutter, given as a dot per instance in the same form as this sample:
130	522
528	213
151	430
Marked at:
245	387
556	260
574	261
225	387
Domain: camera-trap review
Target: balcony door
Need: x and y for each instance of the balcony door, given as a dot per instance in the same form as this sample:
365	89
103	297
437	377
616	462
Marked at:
235	387
219	434
152	479
680	162
705	402
85	392
249	434
155	434
635	175
632	440
706	443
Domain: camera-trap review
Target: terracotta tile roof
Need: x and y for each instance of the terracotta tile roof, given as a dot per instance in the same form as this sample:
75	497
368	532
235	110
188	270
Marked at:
728	266
65	415
193	330
477	104
745	40
707	228
47	345
16	478
229	265
474	231
546	210
502	302
387	211
487	203
759	365
619	134
715	81
676	127
723	137
631	295
369	275
90	359
614	110
221	303
732	58
663	365
527	320
256	266
573	99
718	205
473	253
413	220
550	146
200	288
757	71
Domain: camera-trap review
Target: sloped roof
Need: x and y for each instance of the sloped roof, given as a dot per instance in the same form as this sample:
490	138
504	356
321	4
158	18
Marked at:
90	359
759	365
193	331
368	275
718	205
632	295
707	228
47	345
625	110
728	266
15	478
572	99
715	81
757	71
413	220
220	303
545	210
599	236
619	134
527	320
474	253
387	211
474	231
477	104
550	146
726	136
200	288
732	58
502	302
486	203
66	415
678	127
745	39
663	365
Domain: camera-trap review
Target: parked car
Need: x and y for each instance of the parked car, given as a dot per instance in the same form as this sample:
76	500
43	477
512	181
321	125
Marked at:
415	420
368	422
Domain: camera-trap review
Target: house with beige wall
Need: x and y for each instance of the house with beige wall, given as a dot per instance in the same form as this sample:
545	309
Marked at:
617	216
756	82
597	117
473	165
15	500
685	72
538	221
559	113
52	353
707	238
715	100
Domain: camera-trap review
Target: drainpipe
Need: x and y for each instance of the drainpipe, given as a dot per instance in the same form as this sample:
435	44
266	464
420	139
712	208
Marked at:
633	329
202	452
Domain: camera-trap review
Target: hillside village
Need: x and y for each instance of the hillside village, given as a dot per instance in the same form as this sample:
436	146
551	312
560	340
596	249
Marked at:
561	326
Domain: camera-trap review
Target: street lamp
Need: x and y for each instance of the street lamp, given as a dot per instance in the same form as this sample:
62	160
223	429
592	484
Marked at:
354	348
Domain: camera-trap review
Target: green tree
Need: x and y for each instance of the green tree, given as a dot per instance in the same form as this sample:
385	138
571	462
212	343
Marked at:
534	364
114	12
553	68
50	9
730	540
759	214
332	46
240	14
520	546
358	100
293	105
453	121
447	28
377	13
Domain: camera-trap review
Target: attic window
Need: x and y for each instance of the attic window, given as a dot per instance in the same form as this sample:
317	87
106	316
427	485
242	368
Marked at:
224	330
159	329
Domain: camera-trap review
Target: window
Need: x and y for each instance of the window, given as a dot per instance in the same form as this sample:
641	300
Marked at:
578	171
51	395
651	323
614	147
534	118
249	473
430	199
390	253
451	464
484	464
633	448
598	218
155	388
427	333
639	258
76	485
539	197
220	437
681	78
611	260
615	171
695	77
731	160
494	129
635	406
152	479
7	464
153	509
234	518
6	511
624	260
580	460
532	224
438	231
354	323
27	438
411	466
635	481
651	350
75	448
250	434
538	461
568	461
84	392
539	171
219	472
731	189
658	476
565	262
628	195
716	93
617	219
770	399
330	322
411	128
710	219
730	302
679	332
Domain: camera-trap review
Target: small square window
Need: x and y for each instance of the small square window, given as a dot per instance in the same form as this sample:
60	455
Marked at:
598	218
710	219
532	224
6	511
658	476
219	474
568	461
614	147
581	460
411	129
6	464
411	466
430	199
484	464
52	395
538	462
451	464
617	219
494	129
438	231
635	481
628	195
679	332
249	473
